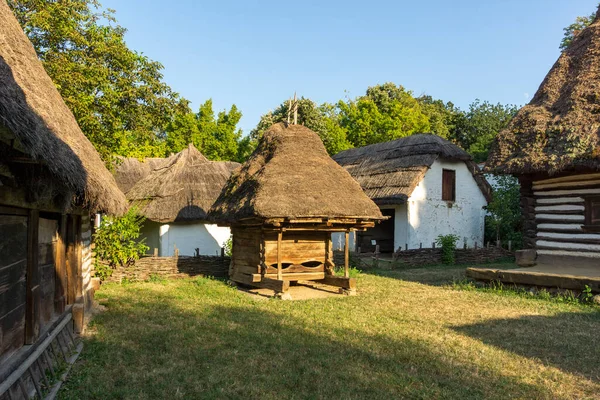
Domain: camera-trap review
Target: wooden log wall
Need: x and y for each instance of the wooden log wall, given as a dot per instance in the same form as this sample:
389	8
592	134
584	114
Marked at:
297	248
560	216
247	252
13	265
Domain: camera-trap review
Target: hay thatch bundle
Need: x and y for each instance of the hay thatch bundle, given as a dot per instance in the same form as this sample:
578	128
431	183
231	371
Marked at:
560	128
34	112
389	172
181	188
290	175
130	171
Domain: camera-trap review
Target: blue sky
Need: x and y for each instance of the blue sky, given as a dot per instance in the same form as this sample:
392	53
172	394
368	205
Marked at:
256	53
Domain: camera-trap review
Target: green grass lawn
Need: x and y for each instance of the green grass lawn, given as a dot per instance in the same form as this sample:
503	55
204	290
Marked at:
408	334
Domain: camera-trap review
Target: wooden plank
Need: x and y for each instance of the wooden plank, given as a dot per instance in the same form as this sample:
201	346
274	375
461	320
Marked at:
299	276
279	272
13	211
520	277
339	281
277	285
32	302
347	255
296	268
60	292
569	178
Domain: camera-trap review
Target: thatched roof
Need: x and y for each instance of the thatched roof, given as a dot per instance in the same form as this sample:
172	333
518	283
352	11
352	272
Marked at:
34	112
559	129
389	172
290	175
181	188
130	171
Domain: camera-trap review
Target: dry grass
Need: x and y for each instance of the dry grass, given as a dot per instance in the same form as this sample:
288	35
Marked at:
407	335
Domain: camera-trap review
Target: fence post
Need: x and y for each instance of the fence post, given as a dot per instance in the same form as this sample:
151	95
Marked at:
377	251
155	252
175	251
498	243
421	245
465	243
510	245
433	245
406	246
475	245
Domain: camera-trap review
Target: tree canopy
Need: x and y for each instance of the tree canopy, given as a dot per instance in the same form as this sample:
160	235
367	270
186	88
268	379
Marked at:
572	30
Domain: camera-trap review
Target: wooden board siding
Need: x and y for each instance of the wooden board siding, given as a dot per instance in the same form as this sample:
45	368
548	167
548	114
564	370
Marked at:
47	238
246	252
297	248
13	266
560	215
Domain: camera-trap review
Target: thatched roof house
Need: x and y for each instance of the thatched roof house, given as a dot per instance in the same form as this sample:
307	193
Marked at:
181	188
559	129
389	172
553	146
50	178
427	186
35	121
131	170
283	204
291	176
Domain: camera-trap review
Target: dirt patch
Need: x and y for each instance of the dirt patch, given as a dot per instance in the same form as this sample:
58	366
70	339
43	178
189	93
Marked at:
303	290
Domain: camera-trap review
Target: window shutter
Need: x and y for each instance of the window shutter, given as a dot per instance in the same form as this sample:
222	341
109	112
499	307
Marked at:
592	211
448	185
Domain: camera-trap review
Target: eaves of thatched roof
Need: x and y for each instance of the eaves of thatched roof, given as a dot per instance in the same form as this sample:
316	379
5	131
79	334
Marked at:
32	110
559	130
290	175
389	172
181	188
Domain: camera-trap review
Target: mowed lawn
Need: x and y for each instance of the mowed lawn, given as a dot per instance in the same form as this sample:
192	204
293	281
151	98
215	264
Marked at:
408	334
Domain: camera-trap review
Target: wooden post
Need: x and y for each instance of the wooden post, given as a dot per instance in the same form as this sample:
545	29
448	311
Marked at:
347	255
279	271
60	267
406	246
465	243
433	245
421	245
475	245
32	302
510	245
498	243
358	250
156	252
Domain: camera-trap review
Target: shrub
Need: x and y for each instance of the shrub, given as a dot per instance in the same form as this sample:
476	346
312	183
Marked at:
228	246
117	242
448	244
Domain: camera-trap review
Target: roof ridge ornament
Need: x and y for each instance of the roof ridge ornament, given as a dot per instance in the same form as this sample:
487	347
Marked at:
292	108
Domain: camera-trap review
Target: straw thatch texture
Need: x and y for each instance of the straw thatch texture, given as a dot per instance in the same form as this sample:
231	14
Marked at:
389	172
181	188
34	112
130	171
290	175
560	128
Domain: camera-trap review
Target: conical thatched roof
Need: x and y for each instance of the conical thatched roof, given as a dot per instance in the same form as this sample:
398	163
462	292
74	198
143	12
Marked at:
560	128
182	188
131	170
290	175
389	172
44	128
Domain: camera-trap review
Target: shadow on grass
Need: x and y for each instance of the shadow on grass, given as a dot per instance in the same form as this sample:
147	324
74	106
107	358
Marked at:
157	349
433	275
568	341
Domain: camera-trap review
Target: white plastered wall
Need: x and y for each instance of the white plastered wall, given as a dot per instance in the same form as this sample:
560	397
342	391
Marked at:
187	238
430	216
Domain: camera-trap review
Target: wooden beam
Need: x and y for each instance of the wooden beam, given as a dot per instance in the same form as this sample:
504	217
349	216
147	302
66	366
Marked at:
60	268
279	271
277	285
32	302
338	281
347	255
297	276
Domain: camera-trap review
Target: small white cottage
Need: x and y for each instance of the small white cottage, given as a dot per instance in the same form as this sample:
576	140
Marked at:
426	185
174	195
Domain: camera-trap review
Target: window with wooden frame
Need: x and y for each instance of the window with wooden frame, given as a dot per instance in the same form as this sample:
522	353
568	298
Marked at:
592	214
448	185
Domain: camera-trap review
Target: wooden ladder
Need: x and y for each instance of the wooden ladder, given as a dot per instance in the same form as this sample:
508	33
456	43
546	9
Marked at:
57	352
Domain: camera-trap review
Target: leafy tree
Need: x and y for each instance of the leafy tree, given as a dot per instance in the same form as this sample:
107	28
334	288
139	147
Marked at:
386	112
323	120
475	129
573	30
116	94
504	219
441	115
217	137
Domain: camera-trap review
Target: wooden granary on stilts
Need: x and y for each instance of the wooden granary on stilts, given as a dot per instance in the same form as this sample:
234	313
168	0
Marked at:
283	205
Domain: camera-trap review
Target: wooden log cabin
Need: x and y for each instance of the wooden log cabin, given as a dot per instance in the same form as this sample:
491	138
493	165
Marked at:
553	147
51	178
283	205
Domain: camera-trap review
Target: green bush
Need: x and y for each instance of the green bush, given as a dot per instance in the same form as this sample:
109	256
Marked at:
504	220
228	246
448	244
118	242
